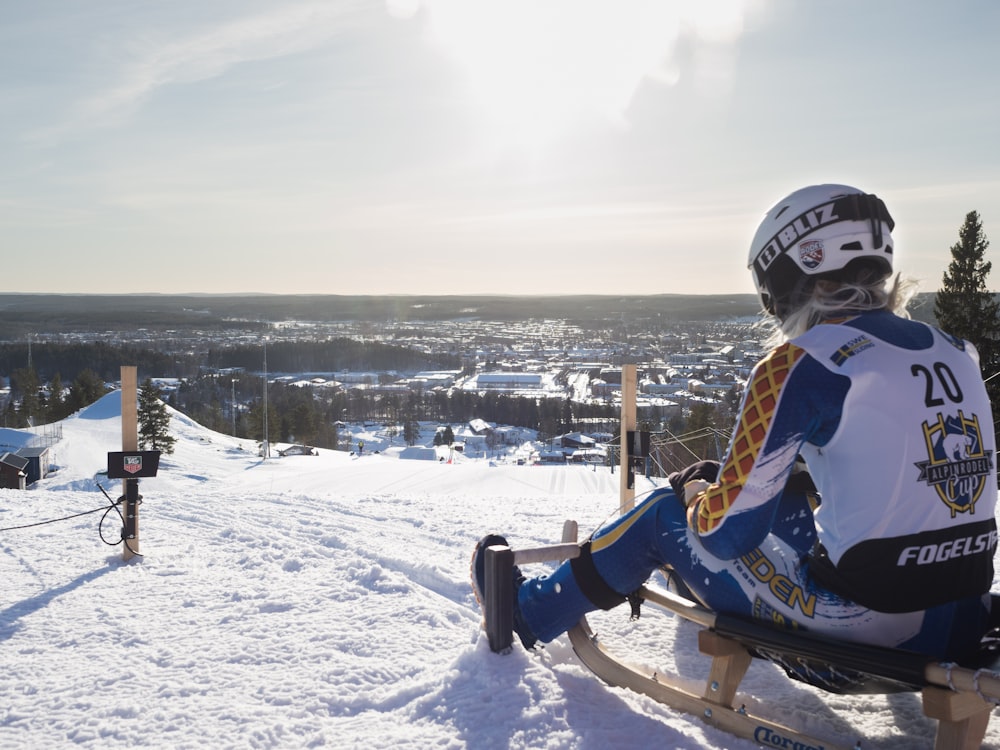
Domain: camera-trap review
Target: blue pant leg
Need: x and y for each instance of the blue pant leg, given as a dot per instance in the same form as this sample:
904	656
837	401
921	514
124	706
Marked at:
629	549
625	553
552	604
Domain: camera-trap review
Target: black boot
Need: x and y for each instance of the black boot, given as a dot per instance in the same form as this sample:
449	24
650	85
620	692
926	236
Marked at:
528	639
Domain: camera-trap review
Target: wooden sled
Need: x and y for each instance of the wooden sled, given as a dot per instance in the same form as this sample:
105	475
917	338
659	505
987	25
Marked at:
959	697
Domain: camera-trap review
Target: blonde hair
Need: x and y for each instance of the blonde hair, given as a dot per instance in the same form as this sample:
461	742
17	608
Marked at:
830	299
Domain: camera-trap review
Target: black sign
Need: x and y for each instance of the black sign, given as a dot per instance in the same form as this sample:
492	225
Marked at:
133	464
638	443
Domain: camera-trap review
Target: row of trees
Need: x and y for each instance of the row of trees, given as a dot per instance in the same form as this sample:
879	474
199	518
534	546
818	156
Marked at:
33	403
332	355
41	405
49	358
311	415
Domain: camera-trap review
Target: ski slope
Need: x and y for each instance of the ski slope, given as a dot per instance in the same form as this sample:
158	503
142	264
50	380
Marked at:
323	601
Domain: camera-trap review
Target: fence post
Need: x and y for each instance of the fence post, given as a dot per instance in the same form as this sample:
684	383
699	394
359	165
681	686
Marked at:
628	426
130	442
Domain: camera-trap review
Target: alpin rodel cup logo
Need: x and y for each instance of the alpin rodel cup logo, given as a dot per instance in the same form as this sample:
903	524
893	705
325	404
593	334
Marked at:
959	465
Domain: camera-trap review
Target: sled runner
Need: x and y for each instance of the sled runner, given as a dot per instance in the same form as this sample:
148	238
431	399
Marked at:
959	697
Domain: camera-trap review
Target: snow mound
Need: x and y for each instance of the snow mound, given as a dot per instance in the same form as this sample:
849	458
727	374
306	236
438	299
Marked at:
106	407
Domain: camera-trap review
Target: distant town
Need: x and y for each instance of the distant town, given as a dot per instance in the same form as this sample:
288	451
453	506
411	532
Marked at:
679	365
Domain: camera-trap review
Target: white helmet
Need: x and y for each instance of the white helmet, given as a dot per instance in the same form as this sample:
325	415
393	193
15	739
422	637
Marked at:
817	232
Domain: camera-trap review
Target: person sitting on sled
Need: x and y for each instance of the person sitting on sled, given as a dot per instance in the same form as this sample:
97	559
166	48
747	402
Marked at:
891	418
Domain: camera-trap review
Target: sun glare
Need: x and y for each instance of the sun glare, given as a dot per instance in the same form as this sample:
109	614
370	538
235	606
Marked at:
539	68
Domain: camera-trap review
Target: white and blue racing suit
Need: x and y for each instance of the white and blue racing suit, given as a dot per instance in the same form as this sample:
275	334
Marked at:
893	420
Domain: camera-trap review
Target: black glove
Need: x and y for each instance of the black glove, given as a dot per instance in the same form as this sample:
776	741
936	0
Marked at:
707	470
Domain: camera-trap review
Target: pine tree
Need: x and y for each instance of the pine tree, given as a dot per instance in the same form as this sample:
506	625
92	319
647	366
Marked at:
411	431
255	421
964	307
57	399
87	387
302	422
25	384
154	419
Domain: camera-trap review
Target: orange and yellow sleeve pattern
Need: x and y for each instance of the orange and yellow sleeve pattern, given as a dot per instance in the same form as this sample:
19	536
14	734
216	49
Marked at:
759	404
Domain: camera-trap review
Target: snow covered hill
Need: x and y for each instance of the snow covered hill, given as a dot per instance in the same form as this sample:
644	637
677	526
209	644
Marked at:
323	601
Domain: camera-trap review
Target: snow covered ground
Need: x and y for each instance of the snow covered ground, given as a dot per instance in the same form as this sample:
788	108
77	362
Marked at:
323	601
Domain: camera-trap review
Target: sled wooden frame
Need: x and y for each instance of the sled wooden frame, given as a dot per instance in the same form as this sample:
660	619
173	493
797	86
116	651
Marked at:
959	698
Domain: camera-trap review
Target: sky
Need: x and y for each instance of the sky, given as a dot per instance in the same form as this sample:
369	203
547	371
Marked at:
544	147
324	602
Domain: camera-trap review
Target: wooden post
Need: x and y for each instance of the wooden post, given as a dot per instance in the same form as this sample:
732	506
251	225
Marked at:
962	718
130	442
628	425
730	661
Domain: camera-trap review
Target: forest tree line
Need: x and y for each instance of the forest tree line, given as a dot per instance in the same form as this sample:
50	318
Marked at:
311	415
48	358
48	381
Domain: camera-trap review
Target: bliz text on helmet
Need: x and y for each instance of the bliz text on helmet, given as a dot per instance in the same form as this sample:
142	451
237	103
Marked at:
797	229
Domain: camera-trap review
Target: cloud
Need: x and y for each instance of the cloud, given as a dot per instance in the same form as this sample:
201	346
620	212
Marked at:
537	68
154	59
